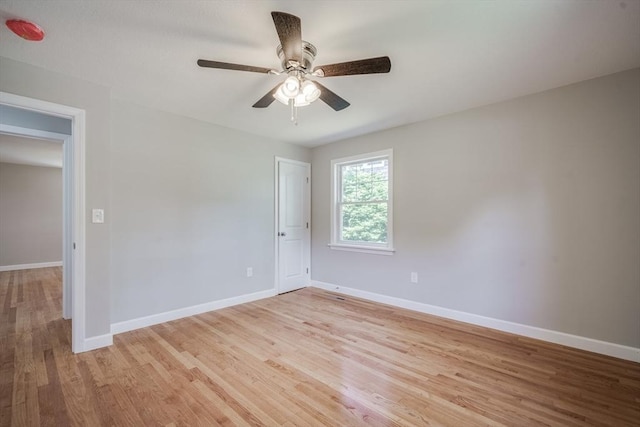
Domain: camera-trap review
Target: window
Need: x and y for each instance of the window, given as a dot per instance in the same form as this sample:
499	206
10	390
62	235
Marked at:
361	208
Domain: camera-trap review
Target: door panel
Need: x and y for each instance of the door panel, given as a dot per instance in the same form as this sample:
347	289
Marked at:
293	232
294	261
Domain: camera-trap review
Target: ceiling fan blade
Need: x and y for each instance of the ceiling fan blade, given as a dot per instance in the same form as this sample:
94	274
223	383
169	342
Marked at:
230	66
266	100
331	99
290	34
381	64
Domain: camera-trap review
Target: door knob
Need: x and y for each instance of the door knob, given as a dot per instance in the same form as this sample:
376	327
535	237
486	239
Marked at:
282	233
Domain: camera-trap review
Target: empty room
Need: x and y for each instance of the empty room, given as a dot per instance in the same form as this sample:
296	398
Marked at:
320	213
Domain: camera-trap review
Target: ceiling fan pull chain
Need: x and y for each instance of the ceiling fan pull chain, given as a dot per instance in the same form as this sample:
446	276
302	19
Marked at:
294	111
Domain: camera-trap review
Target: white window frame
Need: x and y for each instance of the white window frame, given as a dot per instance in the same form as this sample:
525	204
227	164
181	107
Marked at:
336	184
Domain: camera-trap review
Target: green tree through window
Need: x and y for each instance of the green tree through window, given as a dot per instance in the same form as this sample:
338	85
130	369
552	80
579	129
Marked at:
364	201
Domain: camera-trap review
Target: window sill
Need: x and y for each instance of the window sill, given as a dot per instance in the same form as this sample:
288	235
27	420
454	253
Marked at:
362	249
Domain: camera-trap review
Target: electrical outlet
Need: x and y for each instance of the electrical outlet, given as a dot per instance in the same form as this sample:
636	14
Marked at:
249	271
414	277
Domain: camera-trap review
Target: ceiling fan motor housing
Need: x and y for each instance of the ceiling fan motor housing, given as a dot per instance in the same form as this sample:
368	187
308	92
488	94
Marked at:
309	52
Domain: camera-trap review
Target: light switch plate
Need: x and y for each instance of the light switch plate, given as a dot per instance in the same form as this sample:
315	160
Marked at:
97	216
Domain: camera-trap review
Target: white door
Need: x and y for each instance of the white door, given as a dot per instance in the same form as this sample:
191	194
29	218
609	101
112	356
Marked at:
293	232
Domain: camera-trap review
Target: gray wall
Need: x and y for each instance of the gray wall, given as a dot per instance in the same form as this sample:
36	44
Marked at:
192	208
27	80
526	211
30	214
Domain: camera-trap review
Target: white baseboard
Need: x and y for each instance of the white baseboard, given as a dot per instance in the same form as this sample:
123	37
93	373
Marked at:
143	322
98	341
30	266
575	341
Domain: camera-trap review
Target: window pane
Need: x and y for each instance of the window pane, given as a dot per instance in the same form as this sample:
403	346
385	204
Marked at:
364	171
379	189
380	168
363	189
348	185
379	180
366	181
349	192
364	222
349	172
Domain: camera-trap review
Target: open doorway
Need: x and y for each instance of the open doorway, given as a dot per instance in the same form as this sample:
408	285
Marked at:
32	199
16	120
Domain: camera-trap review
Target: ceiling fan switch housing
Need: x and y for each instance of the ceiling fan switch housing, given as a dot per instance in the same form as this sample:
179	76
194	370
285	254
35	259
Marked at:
309	53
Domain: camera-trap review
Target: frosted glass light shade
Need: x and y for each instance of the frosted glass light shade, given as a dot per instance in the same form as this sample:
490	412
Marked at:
280	96
310	91
290	87
302	95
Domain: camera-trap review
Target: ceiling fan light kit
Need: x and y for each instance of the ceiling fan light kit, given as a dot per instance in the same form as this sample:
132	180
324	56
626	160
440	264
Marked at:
301	94
296	92
297	56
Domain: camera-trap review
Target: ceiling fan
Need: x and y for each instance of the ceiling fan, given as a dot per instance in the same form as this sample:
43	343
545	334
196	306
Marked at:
296	56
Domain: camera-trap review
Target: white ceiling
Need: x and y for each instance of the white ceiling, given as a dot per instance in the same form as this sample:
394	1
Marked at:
30	151
446	56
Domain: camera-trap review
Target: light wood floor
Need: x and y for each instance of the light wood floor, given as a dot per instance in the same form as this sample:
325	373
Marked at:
303	358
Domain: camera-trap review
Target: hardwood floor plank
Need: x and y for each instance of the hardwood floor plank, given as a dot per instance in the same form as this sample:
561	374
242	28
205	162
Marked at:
226	395
225	415
115	399
52	406
306	358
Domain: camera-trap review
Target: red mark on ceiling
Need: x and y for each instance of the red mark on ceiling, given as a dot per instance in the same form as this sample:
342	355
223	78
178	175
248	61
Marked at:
26	30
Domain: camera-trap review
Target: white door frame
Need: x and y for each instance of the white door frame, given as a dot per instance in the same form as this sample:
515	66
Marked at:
276	181
74	190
